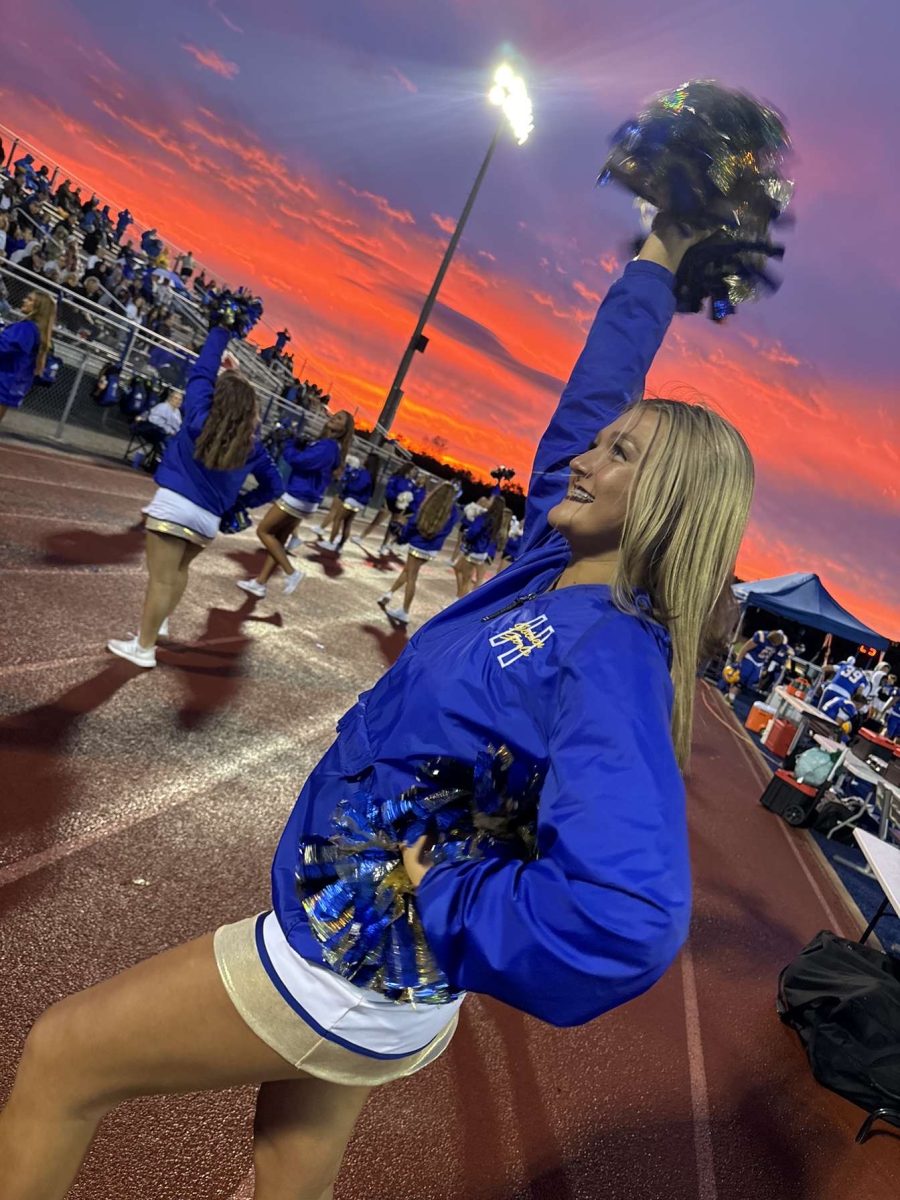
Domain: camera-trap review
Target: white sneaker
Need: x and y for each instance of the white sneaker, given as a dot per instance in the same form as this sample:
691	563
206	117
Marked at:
134	652
384	551
398	614
385	599
324	544
317	529
251	586
164	628
292	543
291	582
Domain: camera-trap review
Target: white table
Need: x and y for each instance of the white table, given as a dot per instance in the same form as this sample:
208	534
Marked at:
809	714
884	860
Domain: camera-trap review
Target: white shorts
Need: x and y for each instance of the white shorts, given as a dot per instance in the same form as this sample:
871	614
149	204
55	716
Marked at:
353	505
481	557
295	507
171	513
427	555
319	1021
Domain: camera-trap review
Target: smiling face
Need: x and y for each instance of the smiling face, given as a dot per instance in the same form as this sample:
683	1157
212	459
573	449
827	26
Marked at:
28	305
335	426
592	515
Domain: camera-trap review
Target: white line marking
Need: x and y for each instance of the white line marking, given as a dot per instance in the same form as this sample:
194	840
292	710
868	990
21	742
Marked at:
703	1148
77	487
52	663
171	798
47	519
764	776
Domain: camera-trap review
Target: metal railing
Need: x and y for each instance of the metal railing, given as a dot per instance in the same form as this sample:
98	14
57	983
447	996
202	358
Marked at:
88	337
256	370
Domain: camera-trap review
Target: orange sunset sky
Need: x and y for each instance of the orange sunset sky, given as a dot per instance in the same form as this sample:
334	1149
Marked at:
321	157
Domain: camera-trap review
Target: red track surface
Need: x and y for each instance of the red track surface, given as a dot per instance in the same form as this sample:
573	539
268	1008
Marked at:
139	810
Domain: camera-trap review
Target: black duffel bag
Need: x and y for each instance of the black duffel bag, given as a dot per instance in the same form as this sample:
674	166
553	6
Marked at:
843	999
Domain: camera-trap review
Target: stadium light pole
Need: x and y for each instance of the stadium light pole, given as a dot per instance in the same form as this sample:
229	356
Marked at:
510	95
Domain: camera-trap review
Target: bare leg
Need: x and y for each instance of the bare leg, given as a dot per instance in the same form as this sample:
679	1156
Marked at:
480	572
463	570
401	578
4	409
375	522
188	554
336	522
349	517
164	555
165	1026
413	567
276	526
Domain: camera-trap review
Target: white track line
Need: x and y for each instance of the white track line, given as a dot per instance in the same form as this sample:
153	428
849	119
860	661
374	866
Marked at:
75	487
743	740
172	798
53	663
703	1147
50	520
59	455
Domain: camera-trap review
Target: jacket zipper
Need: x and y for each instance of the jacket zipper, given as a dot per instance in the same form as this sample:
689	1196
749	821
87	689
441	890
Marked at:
519	600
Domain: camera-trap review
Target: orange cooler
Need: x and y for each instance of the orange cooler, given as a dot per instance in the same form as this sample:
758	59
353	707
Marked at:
759	716
779	737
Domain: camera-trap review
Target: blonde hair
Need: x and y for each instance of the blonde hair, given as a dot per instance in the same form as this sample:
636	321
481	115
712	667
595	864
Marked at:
687	509
345	441
435	510
226	439
503	535
43	314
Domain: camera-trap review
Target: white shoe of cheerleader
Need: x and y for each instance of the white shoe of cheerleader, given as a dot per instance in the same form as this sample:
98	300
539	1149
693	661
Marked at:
133	651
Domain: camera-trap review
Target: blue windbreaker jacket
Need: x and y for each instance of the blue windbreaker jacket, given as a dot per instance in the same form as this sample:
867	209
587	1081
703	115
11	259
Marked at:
311	468
561	677
216	491
19	344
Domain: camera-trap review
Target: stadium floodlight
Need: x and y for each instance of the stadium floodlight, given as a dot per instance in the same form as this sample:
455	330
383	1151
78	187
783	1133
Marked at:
508	93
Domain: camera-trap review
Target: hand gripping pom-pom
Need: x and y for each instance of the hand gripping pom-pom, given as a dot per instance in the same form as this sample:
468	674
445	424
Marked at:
355	890
710	158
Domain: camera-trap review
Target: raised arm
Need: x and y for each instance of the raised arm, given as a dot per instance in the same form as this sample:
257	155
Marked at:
202	380
598	917
313	457
610	371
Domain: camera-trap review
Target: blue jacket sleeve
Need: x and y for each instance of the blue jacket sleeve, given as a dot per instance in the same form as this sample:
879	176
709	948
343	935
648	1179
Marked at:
607	377
313	457
269	484
21	337
597	918
202	380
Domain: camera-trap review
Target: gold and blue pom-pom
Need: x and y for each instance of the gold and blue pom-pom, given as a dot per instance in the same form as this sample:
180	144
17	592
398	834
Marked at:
711	159
357	896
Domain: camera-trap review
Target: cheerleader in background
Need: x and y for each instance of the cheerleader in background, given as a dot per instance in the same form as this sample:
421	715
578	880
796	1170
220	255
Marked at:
398	496
312	469
424	534
513	547
408	504
479	545
199	481
355	492
470	513
24	347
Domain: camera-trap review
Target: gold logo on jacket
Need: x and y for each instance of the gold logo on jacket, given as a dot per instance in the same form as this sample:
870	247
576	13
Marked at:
522	639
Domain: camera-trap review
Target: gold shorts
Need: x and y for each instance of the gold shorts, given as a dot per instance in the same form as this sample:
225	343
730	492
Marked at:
271	1018
157	525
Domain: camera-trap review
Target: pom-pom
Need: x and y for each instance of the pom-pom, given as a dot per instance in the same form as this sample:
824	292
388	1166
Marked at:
710	158
235	520
236	311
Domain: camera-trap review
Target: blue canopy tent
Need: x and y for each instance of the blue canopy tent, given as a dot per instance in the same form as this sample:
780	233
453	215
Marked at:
803	598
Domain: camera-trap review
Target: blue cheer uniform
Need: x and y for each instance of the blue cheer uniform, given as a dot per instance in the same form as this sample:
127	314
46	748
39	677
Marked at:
192	499
355	488
424	547
311	470
569	684
19	346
